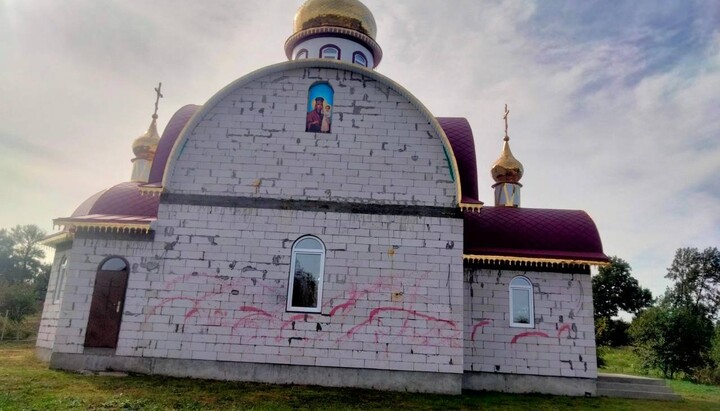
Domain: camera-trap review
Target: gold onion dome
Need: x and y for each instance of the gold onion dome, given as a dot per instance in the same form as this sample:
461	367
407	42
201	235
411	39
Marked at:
144	146
507	169
349	14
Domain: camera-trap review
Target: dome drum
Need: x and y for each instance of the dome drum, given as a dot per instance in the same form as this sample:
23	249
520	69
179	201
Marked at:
346	19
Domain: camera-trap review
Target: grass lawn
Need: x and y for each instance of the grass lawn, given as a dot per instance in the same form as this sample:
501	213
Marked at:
27	384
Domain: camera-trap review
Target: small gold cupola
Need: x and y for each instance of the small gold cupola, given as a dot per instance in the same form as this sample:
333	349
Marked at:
145	146
507	172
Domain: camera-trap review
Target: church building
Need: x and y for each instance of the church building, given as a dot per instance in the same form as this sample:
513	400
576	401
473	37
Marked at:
314	223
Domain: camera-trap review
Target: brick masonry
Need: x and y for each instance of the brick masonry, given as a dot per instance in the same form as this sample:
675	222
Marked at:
212	286
382	148
562	343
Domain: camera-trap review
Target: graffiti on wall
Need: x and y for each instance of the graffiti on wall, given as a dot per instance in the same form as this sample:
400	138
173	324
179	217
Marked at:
209	300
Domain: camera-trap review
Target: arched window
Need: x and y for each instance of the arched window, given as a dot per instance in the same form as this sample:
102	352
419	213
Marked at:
330	51
359	58
302	54
306	275
522	313
60	283
320	108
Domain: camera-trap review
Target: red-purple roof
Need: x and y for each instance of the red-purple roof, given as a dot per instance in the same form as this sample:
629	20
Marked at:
123	199
459	133
167	141
533	233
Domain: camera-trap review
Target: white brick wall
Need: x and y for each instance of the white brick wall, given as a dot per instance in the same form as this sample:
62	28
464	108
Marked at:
51	309
221	291
83	262
253	143
562	343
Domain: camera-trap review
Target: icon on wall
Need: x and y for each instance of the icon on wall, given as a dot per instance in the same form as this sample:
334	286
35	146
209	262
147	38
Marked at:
320	105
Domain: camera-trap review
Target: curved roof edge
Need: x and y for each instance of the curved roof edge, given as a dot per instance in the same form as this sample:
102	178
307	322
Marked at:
532	234
174	127
315	63
124	199
461	138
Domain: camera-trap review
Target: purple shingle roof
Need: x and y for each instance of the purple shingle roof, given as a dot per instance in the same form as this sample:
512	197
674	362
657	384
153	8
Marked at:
122	199
458	131
167	141
533	233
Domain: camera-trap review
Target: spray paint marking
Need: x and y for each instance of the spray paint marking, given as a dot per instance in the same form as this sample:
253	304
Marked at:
528	334
478	325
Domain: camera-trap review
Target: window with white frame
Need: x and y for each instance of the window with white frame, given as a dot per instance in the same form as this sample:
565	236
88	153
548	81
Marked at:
60	283
330	52
359	58
306	275
521	303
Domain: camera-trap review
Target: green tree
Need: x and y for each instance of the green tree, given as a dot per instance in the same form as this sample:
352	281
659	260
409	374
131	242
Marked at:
615	289
23	275
672	339
27	254
696	276
6	252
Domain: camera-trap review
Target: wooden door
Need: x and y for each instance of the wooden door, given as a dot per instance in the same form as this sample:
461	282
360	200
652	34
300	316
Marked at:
106	309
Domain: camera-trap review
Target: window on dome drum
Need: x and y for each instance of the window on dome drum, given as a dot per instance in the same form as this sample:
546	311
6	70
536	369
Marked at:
319	108
60	283
302	54
359	58
521	303
307	267
330	52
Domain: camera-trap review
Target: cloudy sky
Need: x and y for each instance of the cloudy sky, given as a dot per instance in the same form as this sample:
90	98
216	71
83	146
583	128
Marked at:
615	105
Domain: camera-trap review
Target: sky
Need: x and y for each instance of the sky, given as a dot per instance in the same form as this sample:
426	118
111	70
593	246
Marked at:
614	105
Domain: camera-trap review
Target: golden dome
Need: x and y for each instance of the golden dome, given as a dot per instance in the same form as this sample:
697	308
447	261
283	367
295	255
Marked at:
349	14
144	146
507	169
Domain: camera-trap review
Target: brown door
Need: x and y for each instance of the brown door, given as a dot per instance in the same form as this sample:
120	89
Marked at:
106	309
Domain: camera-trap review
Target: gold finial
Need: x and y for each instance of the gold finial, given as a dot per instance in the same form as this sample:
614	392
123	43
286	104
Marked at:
505	117
506	169
158	96
144	146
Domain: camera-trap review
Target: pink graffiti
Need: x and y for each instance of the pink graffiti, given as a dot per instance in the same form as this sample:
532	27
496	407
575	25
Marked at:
528	334
564	327
375	313
292	319
255	310
478	325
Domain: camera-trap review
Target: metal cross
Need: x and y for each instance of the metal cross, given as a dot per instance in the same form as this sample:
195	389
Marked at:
158	96
505	117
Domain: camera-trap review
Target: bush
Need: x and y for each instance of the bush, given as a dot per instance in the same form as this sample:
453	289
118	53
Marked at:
708	375
611	333
672	339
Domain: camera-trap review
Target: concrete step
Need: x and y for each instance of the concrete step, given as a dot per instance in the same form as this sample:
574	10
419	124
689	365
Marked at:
627	386
622	378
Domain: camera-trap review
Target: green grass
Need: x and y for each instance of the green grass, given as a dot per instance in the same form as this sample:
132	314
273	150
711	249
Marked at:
622	360
27	384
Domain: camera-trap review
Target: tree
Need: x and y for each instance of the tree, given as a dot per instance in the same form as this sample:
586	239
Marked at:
23	275
672	339
615	289
6	252
27	255
697	280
